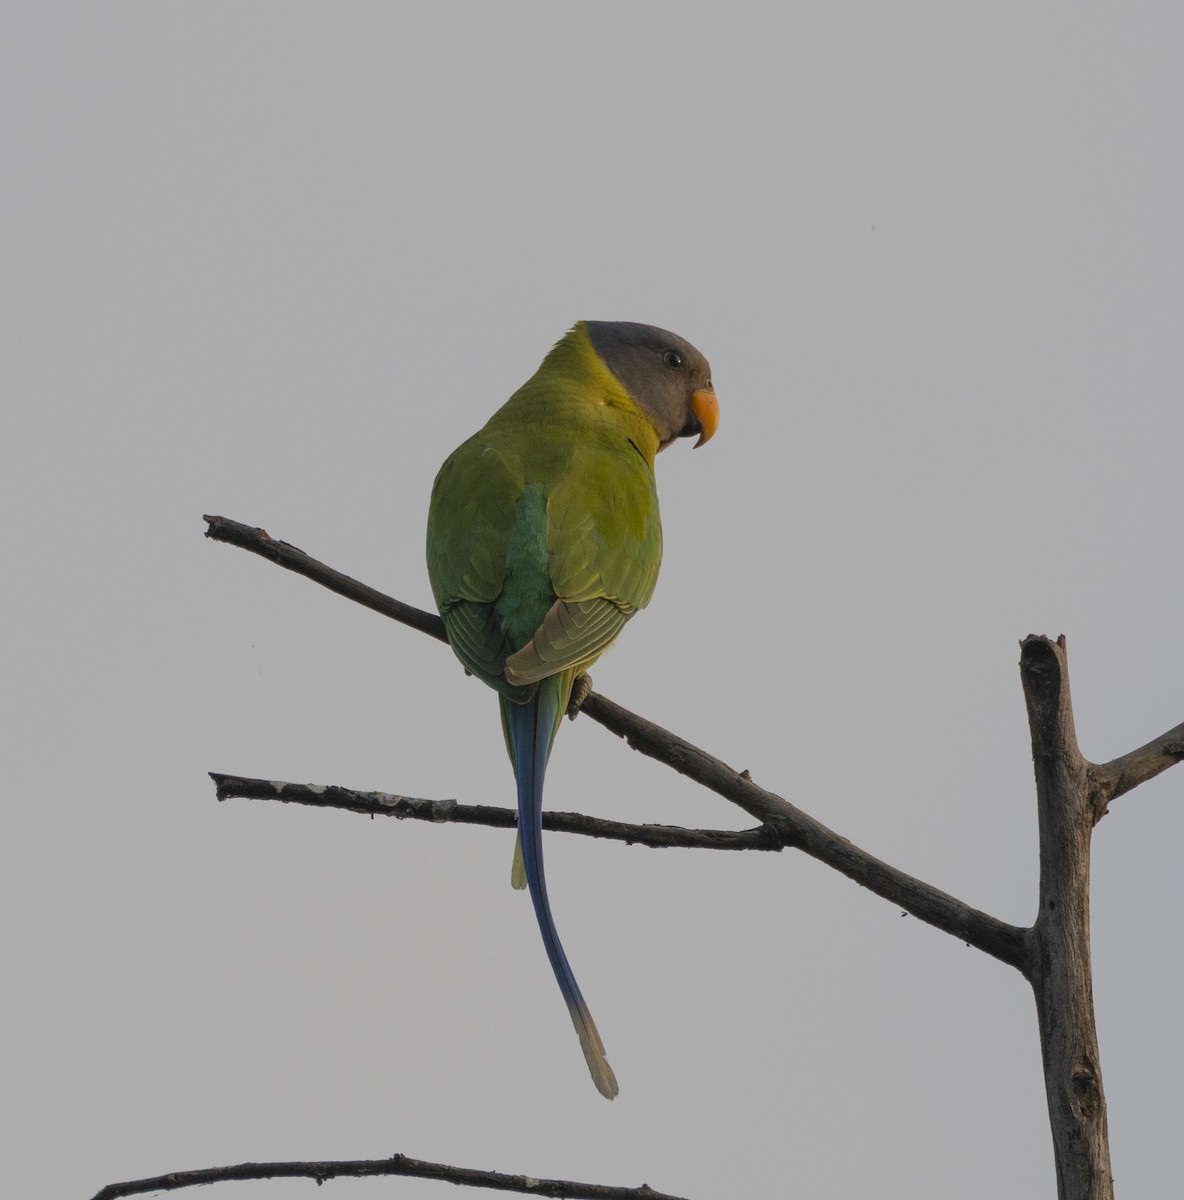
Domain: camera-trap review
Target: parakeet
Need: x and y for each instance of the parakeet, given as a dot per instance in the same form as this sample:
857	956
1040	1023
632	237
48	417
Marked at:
544	539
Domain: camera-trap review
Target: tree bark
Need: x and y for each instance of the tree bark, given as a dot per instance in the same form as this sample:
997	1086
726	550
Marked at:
1059	963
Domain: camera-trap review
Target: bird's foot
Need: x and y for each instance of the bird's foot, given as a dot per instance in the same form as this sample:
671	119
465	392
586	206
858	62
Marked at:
579	693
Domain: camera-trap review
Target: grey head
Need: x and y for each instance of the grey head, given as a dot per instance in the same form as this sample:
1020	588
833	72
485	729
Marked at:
664	373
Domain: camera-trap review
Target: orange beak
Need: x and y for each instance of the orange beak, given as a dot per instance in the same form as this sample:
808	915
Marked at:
706	409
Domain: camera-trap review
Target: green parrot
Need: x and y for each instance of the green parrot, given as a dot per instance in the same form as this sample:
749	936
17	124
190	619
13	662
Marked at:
544	539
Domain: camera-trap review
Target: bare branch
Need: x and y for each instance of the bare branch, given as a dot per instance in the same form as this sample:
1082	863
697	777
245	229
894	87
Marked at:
795	828
1053	955
790	825
398	1164
384	804
284	554
1120	775
1059	969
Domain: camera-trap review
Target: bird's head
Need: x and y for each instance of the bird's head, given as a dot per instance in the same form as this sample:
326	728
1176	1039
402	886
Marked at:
667	377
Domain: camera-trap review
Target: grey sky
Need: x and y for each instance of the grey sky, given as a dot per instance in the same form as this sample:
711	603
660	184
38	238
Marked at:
276	261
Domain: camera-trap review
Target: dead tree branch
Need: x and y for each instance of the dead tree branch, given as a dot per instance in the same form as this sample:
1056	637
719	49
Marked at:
802	832
1053	955
791	826
284	554
384	804
1120	775
398	1164
1059	970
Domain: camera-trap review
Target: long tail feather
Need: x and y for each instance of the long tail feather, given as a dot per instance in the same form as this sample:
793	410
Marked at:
530	730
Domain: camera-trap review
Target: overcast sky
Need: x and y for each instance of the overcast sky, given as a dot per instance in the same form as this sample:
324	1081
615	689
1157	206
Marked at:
275	262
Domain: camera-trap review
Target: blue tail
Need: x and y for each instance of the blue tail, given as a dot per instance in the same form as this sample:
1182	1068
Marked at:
530	731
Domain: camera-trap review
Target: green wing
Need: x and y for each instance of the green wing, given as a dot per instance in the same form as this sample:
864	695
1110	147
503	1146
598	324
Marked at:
604	540
544	535
470	523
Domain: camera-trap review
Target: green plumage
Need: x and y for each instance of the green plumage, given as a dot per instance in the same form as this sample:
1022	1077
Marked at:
544	539
553	500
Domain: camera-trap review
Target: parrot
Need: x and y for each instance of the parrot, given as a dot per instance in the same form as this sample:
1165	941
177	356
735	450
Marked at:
544	538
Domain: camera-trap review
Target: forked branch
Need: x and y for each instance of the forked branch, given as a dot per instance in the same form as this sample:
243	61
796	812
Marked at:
1059	969
1072	795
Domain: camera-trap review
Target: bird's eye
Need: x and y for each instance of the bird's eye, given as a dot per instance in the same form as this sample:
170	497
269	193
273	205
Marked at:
673	359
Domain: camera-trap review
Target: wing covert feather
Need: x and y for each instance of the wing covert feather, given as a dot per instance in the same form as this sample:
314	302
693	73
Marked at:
571	635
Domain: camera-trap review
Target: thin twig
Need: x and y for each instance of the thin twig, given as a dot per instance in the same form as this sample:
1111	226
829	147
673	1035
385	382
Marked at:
398	1164
385	804
284	554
